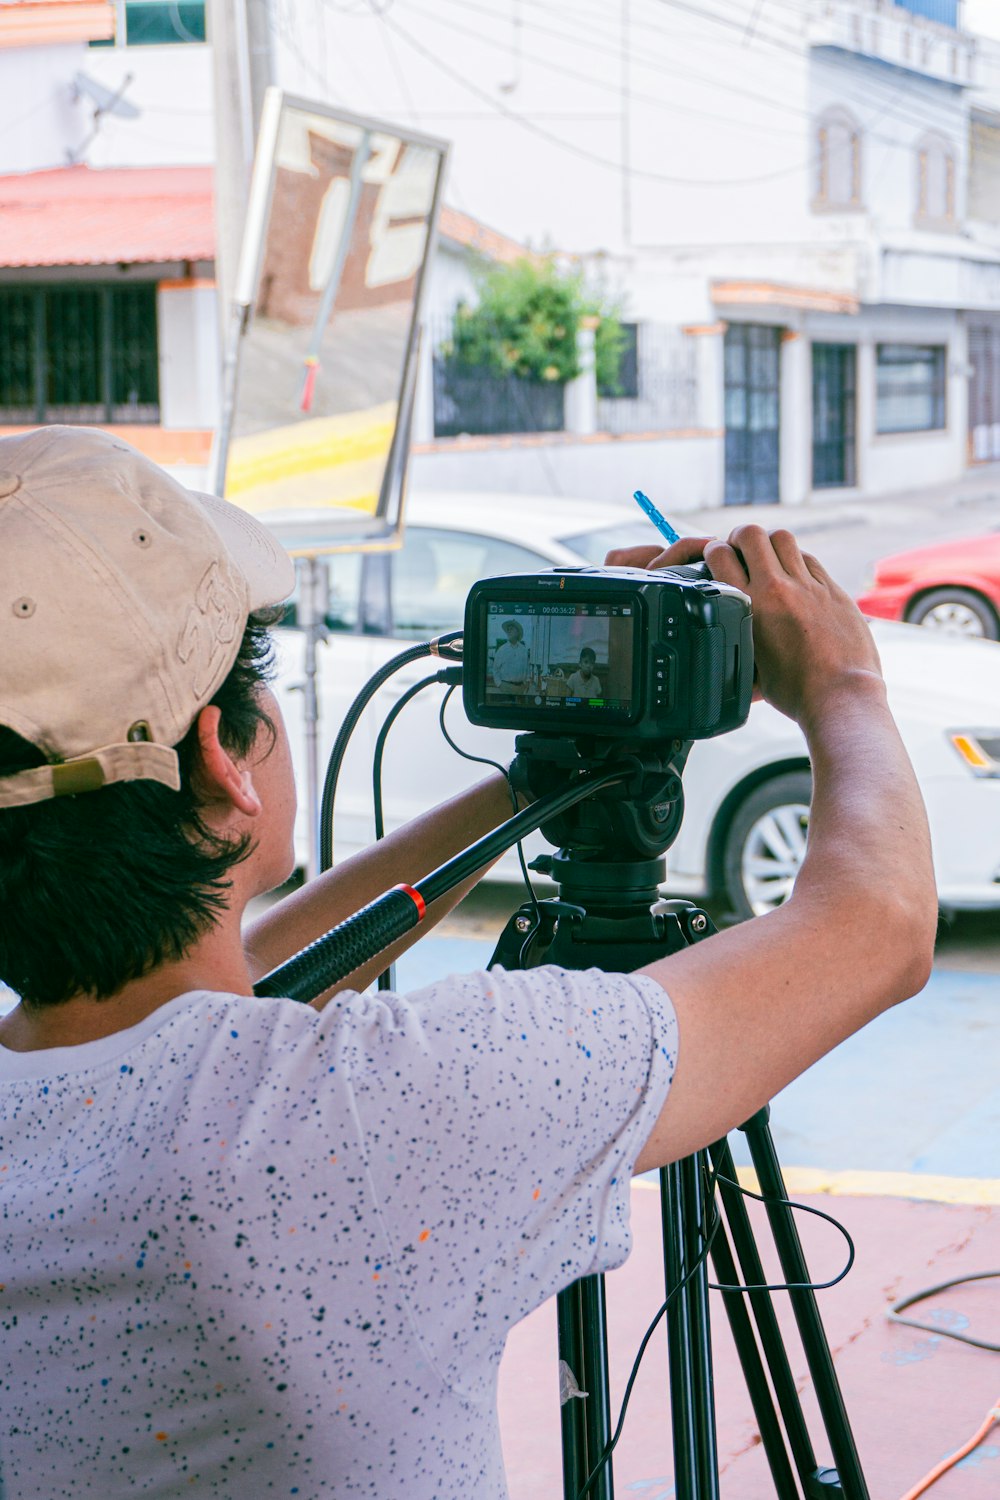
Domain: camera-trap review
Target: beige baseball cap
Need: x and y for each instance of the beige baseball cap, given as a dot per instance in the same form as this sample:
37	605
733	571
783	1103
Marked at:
123	601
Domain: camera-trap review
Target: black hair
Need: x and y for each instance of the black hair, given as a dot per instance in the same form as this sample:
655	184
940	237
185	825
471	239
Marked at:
101	888
589	651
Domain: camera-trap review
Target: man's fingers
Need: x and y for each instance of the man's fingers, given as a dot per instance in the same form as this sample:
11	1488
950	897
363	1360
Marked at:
632	557
790	555
725	565
689	549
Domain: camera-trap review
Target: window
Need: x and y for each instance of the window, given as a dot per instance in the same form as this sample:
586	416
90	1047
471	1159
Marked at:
148	23
911	387
435	569
838	161
78	354
626	383
935	182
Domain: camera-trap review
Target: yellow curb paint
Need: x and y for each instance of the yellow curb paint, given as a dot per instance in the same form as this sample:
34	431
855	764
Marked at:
976	1191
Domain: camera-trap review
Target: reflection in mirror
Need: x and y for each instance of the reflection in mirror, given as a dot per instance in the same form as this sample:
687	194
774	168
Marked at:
317	433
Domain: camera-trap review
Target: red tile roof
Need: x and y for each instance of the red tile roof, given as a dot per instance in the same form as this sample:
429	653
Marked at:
463	229
82	216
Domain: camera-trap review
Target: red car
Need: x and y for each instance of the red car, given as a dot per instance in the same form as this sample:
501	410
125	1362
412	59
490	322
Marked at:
951	586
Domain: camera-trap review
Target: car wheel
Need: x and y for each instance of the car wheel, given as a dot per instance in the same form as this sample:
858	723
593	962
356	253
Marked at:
958	611
766	843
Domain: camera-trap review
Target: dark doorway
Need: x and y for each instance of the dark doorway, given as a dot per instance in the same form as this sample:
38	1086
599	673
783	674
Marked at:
984	392
753	403
834	389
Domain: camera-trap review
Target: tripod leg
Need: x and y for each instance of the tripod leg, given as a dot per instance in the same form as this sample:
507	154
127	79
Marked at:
766	1320
586	1417
689	1340
804	1306
741	1325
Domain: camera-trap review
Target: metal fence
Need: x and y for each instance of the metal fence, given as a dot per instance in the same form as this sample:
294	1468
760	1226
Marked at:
658	382
666	385
471	400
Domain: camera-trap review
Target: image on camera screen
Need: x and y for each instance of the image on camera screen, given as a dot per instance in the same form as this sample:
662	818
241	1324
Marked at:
572	656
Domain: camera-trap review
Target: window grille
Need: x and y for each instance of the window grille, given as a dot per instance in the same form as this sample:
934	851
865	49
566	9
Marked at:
910	387
79	354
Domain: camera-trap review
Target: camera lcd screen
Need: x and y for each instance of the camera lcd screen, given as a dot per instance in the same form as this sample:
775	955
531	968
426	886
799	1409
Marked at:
566	657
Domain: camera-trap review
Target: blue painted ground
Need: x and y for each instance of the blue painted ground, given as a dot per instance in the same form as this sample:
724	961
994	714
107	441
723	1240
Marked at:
917	1091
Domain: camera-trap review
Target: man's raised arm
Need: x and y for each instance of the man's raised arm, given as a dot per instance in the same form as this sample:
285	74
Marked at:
759	1003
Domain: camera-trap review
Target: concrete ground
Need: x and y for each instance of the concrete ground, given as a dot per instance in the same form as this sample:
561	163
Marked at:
851	532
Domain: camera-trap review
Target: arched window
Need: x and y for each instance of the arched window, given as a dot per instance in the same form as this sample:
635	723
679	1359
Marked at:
838	161
935	181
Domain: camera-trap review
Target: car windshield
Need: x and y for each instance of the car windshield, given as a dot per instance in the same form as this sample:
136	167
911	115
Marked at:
594	546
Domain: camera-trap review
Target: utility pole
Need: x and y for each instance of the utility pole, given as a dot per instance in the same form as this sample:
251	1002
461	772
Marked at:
626	144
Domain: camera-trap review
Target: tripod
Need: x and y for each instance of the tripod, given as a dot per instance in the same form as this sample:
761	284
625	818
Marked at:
608	916
613	810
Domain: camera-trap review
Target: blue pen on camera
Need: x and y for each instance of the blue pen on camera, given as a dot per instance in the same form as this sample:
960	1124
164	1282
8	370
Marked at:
661	523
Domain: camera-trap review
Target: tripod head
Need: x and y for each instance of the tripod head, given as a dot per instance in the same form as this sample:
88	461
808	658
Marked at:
636	818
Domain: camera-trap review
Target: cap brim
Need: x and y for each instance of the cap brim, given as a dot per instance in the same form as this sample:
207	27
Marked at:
267	567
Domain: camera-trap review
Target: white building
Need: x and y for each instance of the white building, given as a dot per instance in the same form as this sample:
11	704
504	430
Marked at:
808	191
107	239
800	205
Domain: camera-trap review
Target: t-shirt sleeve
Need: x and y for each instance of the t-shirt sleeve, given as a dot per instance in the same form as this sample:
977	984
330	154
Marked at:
502	1115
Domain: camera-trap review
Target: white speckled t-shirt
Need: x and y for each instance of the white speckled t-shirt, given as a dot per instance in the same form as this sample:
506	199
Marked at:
252	1250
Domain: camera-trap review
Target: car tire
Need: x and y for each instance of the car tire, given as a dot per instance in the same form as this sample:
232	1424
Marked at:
959	611
765	844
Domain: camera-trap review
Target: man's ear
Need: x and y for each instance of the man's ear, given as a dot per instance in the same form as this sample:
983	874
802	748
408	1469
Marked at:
219	777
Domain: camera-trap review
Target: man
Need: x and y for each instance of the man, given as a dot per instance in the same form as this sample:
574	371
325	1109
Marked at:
584	683
510	661
252	1247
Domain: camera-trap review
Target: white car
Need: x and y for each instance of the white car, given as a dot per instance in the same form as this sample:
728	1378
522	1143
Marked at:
746	793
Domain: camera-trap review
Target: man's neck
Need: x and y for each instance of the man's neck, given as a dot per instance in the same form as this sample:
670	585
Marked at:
217	962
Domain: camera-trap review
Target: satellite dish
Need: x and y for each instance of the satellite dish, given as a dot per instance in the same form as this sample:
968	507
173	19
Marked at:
106	101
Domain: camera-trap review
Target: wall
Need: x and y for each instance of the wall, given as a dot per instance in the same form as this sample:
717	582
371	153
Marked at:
684	473
42	122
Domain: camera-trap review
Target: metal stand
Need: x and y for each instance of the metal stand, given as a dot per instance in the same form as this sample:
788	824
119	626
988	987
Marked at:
608	916
313	604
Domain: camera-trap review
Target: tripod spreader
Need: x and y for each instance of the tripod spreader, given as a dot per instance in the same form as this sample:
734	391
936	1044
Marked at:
396	912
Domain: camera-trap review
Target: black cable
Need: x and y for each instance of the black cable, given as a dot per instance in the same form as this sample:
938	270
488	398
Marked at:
695	1266
384	981
788	1286
449	646
893	1312
484	760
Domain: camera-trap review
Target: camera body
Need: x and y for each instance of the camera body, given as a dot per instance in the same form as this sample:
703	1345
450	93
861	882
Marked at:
627	653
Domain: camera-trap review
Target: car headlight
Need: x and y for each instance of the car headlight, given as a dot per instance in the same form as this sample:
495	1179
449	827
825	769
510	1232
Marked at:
979	748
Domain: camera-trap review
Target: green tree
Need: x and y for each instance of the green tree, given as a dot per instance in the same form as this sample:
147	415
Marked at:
526	321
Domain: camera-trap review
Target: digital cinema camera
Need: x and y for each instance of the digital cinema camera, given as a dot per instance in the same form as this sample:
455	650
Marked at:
606	666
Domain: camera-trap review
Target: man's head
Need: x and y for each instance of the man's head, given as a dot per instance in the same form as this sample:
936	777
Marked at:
512	630
132	660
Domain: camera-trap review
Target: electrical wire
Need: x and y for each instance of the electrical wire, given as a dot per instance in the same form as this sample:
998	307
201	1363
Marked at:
714	1178
893	1312
384	981
664	1307
484	760
923	1485
787	1286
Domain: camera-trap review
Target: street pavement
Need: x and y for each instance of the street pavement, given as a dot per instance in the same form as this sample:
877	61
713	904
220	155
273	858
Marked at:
849	534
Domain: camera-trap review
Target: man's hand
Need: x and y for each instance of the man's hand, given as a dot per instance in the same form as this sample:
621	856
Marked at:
809	636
